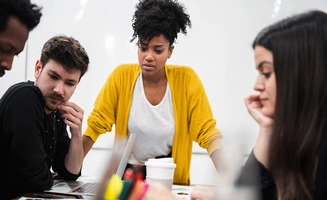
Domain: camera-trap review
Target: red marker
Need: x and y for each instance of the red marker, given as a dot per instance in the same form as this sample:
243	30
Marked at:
128	174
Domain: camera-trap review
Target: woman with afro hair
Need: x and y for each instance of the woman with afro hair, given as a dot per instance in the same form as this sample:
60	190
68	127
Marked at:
165	105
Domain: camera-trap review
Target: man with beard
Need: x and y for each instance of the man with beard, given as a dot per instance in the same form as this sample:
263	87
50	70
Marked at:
33	121
17	19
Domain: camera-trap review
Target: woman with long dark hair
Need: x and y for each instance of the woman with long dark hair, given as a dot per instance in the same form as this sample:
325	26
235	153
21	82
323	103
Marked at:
290	106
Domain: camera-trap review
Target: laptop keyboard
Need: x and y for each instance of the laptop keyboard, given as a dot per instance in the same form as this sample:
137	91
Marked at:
88	188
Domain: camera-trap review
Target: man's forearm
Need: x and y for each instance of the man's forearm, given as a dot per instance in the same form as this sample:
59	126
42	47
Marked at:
75	156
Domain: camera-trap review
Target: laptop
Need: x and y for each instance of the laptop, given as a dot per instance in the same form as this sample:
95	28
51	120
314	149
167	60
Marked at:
92	188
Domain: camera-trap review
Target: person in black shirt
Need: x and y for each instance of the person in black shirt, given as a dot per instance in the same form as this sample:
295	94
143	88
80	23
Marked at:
289	159
290	154
33	120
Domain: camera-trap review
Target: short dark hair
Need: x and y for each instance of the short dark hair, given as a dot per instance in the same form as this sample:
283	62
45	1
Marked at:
26	12
66	51
299	48
155	17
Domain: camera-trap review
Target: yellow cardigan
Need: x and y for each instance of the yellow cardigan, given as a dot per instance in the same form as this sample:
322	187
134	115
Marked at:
192	112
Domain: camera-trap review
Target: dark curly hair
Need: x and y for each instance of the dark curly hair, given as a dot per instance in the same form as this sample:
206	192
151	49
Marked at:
26	12
155	17
67	51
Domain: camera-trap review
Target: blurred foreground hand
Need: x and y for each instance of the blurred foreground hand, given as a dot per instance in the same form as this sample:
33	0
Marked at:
157	191
201	192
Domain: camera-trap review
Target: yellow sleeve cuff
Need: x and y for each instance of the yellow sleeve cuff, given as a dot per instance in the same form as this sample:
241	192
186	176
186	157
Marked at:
91	133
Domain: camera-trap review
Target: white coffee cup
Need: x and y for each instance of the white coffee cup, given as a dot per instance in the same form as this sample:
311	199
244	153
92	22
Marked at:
161	170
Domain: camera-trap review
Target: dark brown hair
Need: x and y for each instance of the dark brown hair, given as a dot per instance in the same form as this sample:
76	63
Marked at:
67	51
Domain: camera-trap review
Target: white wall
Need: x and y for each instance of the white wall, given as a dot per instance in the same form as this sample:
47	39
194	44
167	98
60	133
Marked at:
218	47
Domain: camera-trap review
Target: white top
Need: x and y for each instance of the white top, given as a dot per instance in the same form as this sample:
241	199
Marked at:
154	125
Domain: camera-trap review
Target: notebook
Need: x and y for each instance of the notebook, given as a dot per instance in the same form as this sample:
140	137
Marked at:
91	188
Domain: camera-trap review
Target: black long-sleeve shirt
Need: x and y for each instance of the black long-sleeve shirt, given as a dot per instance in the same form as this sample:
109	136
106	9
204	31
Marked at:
31	142
256	176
